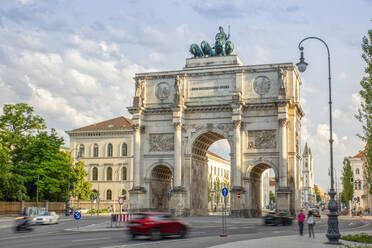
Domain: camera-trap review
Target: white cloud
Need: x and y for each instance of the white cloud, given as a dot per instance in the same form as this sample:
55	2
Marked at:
262	55
45	102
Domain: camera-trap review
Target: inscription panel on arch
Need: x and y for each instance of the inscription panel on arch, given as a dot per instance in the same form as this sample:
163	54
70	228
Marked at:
262	139
161	142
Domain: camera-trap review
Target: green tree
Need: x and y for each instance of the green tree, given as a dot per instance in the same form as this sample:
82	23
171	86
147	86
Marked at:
271	197
83	188
33	165
348	188
318	197
44	167
217	189
365	112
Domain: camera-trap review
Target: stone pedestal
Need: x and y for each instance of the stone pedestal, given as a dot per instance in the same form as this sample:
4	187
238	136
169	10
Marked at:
178	202
283	200
137	199
237	205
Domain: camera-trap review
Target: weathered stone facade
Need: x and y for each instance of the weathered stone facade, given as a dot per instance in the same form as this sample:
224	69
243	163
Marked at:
177	115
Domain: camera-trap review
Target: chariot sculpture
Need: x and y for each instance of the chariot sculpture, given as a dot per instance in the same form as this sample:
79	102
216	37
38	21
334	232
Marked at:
222	46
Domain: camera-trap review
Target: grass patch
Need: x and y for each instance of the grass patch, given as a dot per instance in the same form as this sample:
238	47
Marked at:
361	238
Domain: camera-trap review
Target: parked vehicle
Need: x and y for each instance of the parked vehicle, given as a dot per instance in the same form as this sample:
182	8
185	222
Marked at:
281	218
156	225
83	210
46	218
22	224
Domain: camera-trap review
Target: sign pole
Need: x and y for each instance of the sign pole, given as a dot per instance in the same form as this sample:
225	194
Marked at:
224	194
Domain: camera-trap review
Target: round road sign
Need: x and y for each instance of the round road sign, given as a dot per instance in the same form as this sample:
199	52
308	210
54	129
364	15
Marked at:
77	215
121	200
238	195
225	191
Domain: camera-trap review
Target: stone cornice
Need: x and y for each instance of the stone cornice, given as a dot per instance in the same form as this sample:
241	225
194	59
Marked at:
95	133
215	70
209	108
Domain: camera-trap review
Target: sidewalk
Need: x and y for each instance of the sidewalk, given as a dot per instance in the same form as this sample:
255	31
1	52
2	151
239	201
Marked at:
294	241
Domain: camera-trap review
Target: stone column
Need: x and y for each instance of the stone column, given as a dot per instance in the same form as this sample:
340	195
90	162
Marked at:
236	169
283	153
283	193
237	204
137	155
177	154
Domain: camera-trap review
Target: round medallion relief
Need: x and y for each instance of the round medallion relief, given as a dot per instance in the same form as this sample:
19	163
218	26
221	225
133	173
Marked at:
261	85
162	91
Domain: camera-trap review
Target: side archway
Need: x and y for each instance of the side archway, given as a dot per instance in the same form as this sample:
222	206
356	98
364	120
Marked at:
253	185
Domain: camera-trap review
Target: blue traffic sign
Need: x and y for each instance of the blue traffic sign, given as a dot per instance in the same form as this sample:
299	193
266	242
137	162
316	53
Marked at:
77	215
225	191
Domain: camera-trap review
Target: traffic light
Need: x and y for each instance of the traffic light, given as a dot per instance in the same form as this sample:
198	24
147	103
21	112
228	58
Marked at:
351	180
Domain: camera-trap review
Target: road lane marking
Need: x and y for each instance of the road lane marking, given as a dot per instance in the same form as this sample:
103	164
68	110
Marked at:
145	243
365	225
82	240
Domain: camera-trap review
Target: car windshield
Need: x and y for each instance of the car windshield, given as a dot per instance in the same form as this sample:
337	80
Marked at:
165	217
139	216
46	214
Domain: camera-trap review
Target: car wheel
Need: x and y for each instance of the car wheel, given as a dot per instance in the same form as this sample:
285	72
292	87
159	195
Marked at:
155	234
183	232
133	236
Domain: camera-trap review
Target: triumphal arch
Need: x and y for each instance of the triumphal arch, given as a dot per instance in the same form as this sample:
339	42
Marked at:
177	115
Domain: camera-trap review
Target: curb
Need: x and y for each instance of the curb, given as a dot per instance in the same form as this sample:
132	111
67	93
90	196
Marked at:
107	229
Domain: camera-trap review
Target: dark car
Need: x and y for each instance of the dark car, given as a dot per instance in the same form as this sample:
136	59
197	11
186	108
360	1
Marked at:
316	212
156	225
281	218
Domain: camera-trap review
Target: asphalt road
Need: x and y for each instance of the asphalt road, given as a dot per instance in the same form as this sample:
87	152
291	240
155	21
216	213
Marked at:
204	233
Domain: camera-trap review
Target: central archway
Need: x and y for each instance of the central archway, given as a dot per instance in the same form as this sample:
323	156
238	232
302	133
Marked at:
199	171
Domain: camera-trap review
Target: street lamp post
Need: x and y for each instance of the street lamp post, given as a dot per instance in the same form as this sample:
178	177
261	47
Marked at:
333	233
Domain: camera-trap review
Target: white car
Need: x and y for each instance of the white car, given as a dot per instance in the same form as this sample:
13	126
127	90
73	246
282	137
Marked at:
46	218
83	210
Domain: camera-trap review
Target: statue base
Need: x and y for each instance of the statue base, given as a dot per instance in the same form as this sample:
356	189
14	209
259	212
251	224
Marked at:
213	61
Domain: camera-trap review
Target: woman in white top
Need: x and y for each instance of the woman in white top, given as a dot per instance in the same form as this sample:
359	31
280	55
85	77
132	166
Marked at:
310	222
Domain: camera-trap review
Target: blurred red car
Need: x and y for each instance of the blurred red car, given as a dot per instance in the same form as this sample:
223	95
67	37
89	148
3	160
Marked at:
155	225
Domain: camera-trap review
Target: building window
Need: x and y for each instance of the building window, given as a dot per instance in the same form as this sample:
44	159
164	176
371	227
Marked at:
124	194
356	185
109	195
95	174
360	184
81	151
306	164
357	171
124	173
214	168
95	150
109	174
109	150
124	150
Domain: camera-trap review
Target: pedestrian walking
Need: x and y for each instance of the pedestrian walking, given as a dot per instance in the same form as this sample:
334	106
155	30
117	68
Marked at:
311	223
301	219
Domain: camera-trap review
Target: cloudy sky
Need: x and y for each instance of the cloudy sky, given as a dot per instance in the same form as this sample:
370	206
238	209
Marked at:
74	60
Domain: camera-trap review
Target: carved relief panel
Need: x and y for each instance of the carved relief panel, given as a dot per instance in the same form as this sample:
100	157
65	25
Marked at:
163	142
262	139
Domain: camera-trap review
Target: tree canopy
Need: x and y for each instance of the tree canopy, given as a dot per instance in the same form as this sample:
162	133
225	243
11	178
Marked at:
32	162
365	112
348	188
